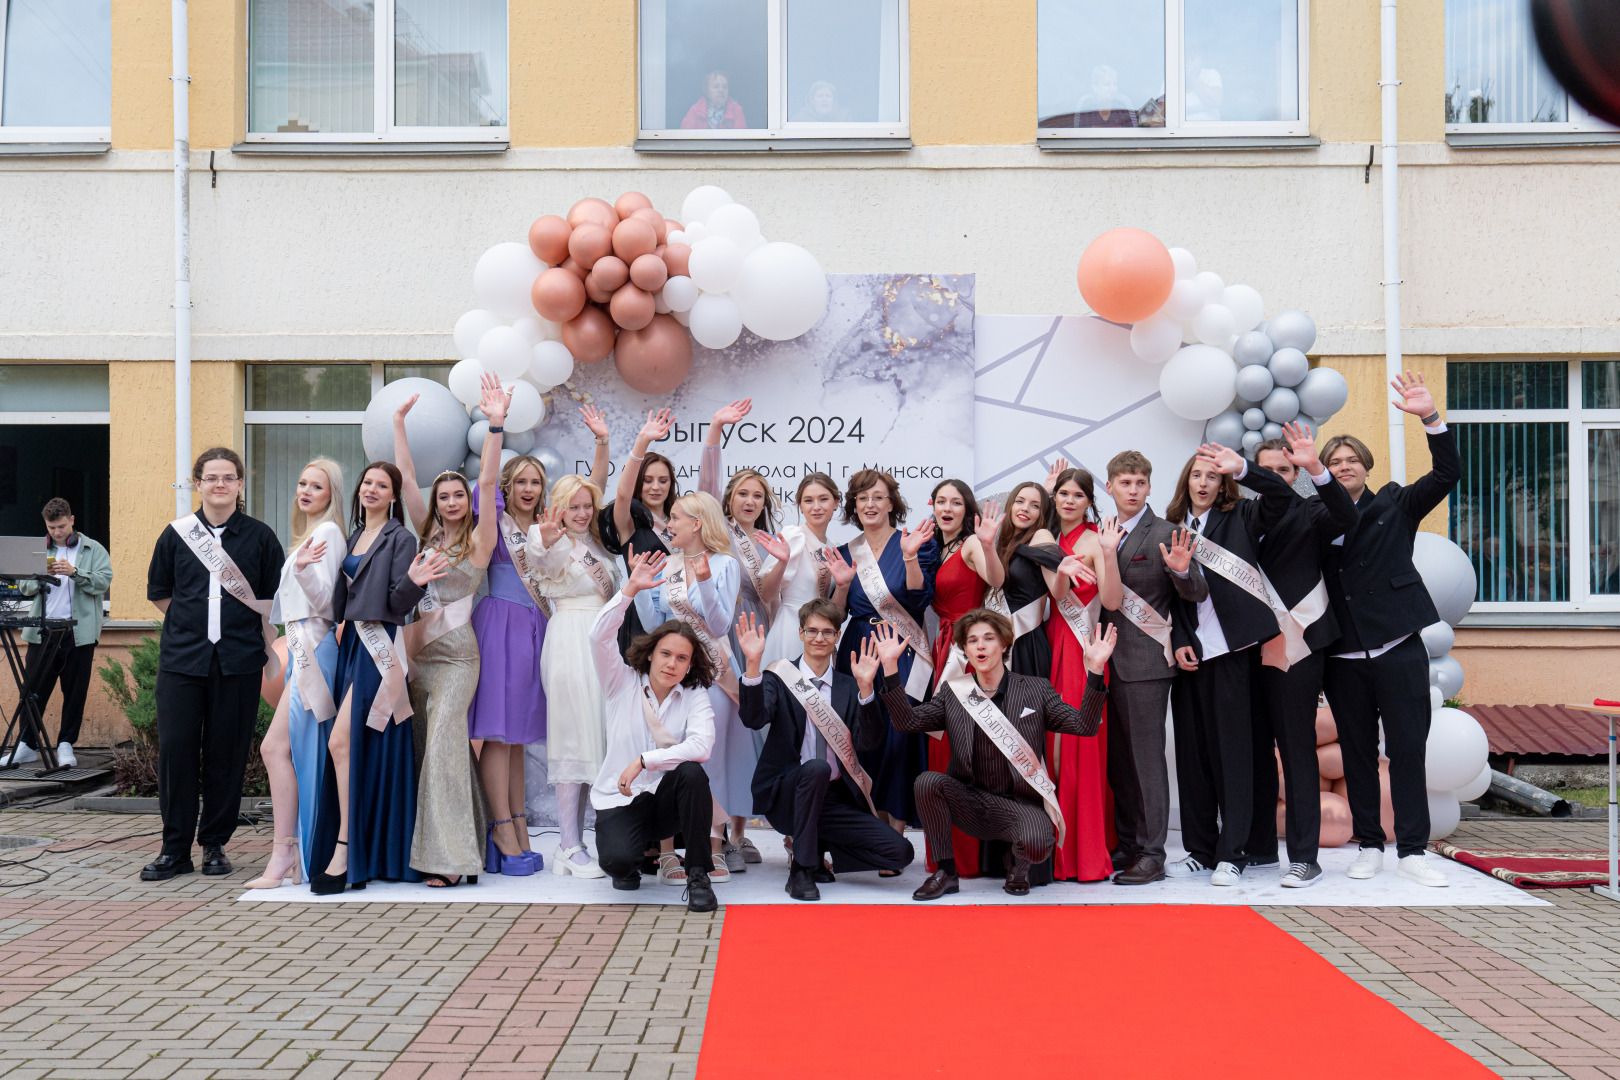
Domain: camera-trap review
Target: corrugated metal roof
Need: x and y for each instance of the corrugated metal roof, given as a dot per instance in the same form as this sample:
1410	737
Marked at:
1542	729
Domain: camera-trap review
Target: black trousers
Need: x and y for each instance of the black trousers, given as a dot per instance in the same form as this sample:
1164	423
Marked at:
205	729
944	802
1136	770
679	804
71	665
823	816
1215	756
1394	686
1285	713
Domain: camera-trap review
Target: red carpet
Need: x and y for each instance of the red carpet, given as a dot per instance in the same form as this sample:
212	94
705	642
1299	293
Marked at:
893	993
1533	869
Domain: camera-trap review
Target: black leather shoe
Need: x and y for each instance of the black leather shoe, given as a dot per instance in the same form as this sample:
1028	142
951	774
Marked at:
215	863
939	884
822	874
1017	883
165	867
628	883
699	894
801	883
1144	871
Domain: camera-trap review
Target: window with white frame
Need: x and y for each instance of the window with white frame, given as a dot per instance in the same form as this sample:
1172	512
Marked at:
753	69
56	71
377	70
1538	507
1171	68
1495	77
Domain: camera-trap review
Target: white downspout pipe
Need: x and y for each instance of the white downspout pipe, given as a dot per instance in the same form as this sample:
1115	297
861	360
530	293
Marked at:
182	264
1389	170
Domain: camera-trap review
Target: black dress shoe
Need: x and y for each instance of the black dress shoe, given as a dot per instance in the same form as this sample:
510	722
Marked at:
215	863
939	884
1144	871
699	894
1017	883
628	883
165	867
822	873
801	883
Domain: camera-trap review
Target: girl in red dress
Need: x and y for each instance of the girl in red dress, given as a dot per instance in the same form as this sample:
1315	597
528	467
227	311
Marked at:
967	568
1080	766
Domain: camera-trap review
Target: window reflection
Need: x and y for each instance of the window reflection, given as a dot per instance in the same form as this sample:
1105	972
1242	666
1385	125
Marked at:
703	64
843	61
1100	63
1241	60
1494	72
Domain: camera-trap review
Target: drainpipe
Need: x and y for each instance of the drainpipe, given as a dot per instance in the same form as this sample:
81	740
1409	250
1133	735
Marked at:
1389	170
182	264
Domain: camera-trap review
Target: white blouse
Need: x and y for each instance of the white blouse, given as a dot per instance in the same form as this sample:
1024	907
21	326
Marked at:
307	592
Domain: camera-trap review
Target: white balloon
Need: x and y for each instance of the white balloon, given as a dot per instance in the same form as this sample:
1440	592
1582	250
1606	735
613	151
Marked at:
550	364
1444	814
680	293
701	202
782	291
463	380
503	277
716	320
695	232
682	317
1477	787
1197	383
735	222
529	326
504	352
436	425
471	328
1438	638
527	408
1246	306
1156	338
1186	300
660	305
1437	700
1213	288
1457	748
1446	675
1187	335
1186	266
677	236
1213	325
550	331
1448	574
716	263
476	436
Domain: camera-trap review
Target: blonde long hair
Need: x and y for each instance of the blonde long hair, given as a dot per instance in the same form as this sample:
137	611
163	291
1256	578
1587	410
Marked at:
460	545
509	473
706	508
300	525
564	490
767	512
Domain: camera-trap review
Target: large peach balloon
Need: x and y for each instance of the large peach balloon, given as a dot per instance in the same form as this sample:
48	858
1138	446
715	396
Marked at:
557	294
610	272
588	243
1125	275
655	219
1327	729
656	359
1330	761
649	272
632	308
271	689
597	211
678	257
1336	826
633	238
548	239
630	202
589	335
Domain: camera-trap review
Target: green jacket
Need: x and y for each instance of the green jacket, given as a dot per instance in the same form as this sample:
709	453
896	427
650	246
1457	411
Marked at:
92	577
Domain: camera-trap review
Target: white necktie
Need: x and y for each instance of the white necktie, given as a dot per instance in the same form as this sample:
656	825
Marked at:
213	591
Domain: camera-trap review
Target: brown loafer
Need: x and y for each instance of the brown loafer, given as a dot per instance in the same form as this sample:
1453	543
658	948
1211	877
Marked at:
939	884
1144	871
1017	883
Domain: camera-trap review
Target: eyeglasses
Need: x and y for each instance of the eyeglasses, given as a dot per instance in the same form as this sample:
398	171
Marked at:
869	500
219	481
828	634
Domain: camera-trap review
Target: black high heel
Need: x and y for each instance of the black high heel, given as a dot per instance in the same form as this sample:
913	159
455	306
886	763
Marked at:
323	884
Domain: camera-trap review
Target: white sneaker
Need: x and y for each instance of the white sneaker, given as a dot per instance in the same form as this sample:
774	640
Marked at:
563	864
1226	873
1185	868
1421	869
19	756
64	755
1368	862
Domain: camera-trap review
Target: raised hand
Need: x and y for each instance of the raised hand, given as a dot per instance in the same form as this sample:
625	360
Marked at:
1057	469
1415	396
645	570
1100	647
912	540
774	546
751	640
864	666
1302	448
730	414
493	399
658	424
595	420
700	566
405	407
842	570
551	525
1224	459
987	524
309	553
891	644
429	565
1077	570
1109	534
1179	556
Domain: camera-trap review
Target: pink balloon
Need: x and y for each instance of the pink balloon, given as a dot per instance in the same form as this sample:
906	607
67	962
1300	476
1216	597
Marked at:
656	359
677	257
1327	730
631	201
589	336
655	219
588	243
1125	275
649	273
633	238
593	210
632	308
610	272
272	689
1336	828
557	294
1330	761
548	239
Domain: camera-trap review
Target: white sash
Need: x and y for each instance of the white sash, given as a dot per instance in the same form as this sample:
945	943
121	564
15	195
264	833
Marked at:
677	600
595	569
514	539
1032	616
1252	580
200	539
303	637
825	586
753	564
828	722
1080	619
655	727
1025	761
434	619
1150	622
871	578
393	698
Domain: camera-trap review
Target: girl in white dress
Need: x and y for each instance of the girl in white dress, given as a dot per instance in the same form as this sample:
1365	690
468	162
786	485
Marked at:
579	576
807	572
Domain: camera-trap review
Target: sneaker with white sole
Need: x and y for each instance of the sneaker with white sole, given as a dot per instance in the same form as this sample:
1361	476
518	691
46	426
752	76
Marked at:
1301	875
1369	860
20	756
1226	873
1185	868
64	755
1421	869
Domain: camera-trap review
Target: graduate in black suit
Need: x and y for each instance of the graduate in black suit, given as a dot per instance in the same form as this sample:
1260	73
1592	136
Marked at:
806	788
1377	667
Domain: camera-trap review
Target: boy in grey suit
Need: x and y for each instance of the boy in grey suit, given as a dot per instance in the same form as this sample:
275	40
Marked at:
1153	558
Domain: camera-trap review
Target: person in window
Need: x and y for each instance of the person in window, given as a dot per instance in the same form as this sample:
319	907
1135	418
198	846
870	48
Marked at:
1204	90
1105	106
821	105
716	108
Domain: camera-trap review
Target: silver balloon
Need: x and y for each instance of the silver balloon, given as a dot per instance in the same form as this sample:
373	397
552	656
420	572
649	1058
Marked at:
521	441
1292	330
1253	382
1271	431
1254	419
1281	405
1438	638
553	461
1288	367
436	425
1448	575
1447	674
1251	442
1252	348
1437	700
1226	429
476	435
469	467
1322	392
476	414
1311	426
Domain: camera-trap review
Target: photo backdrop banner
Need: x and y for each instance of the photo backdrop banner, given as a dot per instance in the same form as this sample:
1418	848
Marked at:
884	380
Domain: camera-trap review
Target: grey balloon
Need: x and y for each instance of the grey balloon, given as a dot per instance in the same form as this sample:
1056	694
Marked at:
553	461
1253	382
476	414
1281	405
1311	426
436	425
1254	419
1252	348
1271	431
1447	574
469	467
1226	429
1322	392
1251	441
476	435
1288	367
1438	638
1292	330
1447	674
521	441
